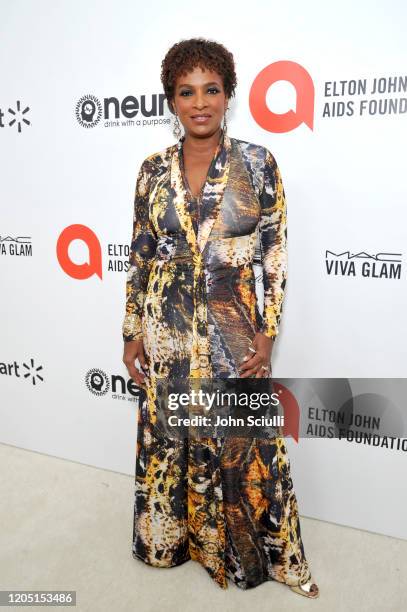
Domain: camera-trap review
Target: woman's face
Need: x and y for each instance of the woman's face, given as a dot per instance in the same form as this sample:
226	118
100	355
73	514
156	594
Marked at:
200	101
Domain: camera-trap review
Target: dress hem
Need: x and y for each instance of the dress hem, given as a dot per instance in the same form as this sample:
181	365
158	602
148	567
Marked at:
228	579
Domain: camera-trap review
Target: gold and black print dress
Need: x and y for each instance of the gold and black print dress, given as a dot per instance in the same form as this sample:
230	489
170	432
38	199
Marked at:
191	296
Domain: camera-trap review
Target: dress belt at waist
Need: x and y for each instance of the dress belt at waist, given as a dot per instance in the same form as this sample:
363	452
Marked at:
184	259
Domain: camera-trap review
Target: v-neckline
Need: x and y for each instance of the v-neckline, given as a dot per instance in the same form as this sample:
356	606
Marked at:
212	194
183	173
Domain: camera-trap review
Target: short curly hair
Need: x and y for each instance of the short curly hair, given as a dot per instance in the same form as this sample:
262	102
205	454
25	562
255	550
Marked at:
186	55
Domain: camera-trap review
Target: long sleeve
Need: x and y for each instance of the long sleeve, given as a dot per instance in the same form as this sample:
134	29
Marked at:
273	245
142	251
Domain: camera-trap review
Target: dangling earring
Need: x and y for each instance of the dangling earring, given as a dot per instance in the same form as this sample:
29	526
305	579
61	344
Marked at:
225	127
177	128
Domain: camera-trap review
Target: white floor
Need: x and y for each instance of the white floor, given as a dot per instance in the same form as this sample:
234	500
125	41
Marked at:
69	526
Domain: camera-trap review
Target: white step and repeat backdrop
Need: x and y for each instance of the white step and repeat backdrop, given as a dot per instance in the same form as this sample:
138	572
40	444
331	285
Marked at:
324	87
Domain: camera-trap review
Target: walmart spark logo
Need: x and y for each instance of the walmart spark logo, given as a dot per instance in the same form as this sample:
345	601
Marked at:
32	372
16	117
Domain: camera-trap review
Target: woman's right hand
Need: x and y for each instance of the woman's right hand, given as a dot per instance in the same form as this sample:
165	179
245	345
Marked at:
135	350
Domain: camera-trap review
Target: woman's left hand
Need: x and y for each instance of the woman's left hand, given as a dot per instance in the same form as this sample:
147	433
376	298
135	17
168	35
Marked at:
253	361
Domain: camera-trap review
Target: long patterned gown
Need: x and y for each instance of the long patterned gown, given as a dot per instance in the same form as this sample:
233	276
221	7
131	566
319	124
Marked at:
227	503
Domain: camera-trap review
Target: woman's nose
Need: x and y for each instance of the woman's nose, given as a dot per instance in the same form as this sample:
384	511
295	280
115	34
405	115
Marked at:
200	100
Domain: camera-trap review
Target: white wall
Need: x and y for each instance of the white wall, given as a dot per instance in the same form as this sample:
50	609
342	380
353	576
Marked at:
345	187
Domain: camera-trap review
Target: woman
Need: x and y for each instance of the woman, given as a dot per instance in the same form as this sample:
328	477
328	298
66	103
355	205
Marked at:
202	207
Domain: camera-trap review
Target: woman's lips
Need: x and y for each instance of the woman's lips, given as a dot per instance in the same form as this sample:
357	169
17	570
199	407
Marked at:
201	118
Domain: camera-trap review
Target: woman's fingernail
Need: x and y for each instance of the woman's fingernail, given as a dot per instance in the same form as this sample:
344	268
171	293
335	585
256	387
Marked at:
245	358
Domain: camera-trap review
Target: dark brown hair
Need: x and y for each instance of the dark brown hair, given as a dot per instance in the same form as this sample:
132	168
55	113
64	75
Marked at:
186	55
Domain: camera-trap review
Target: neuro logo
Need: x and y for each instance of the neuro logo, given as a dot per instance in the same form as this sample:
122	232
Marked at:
305	94
97	382
88	268
88	111
33	372
17	117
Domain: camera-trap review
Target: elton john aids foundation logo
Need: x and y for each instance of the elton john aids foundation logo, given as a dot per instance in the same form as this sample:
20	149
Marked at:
79	253
305	94
80	271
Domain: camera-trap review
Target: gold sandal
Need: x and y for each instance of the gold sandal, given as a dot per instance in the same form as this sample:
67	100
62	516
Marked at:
308	589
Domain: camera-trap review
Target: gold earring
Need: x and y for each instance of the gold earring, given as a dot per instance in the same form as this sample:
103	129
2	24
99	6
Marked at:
177	128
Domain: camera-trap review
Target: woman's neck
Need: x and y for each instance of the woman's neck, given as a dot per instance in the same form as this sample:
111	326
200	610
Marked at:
201	147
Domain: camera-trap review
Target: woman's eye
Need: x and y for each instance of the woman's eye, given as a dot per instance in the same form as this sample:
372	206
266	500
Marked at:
187	92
